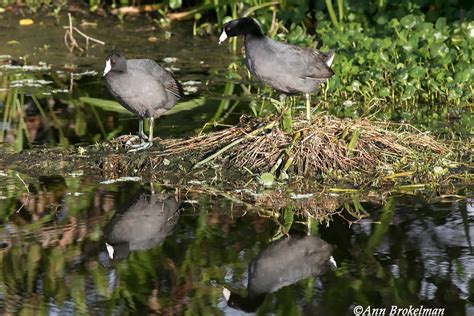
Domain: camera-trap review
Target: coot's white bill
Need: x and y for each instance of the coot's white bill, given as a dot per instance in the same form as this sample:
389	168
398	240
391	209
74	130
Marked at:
107	66
330	60
223	37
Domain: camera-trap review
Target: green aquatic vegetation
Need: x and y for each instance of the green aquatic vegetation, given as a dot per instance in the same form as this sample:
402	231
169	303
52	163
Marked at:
408	60
403	63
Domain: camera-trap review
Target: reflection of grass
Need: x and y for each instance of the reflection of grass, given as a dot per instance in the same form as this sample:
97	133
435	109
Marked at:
211	246
14	119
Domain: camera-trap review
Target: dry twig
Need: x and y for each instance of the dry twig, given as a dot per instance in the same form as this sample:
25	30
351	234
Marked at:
71	42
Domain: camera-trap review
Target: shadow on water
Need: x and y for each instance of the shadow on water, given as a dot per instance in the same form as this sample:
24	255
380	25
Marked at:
174	252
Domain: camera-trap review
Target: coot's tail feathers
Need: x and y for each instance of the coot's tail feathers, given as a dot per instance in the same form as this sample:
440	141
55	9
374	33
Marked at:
321	70
175	87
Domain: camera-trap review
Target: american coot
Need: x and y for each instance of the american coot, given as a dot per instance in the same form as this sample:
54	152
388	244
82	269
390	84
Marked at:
142	87
287	68
284	262
141	224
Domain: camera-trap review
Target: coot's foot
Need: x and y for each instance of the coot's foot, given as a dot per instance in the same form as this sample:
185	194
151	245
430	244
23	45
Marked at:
135	138
138	147
133	146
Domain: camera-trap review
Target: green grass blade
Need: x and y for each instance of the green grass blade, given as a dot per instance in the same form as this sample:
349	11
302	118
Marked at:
106	105
332	14
112	106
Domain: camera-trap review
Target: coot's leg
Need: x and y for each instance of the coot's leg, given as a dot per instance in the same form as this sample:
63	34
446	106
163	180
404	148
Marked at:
308	107
145	142
282	98
141	134
150	138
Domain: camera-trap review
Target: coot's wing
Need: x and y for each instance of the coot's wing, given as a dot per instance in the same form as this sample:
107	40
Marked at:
303	62
162	75
171	83
139	92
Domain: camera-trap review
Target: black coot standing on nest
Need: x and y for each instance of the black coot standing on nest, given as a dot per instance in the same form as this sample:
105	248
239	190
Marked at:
286	68
142	87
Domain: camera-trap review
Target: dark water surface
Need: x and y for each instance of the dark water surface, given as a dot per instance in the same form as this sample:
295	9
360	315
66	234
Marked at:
175	252
71	244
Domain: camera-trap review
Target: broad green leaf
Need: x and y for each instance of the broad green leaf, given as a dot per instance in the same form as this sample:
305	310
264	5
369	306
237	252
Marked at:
267	179
408	21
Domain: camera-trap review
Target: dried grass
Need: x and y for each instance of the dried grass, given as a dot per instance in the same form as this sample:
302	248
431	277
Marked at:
327	144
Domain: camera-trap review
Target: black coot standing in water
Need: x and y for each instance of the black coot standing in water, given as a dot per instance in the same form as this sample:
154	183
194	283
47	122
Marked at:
142	87
286	68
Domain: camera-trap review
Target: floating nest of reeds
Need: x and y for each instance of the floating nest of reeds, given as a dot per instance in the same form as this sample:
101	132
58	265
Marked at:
328	149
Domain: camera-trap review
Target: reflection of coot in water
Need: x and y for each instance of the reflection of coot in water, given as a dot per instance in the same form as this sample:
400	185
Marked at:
284	262
142	224
37	126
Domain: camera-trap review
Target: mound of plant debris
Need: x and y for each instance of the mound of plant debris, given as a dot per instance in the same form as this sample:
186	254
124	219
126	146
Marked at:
327	149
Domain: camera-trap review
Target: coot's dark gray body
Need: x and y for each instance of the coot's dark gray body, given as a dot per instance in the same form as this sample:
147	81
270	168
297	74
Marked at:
145	88
284	262
142	224
284	67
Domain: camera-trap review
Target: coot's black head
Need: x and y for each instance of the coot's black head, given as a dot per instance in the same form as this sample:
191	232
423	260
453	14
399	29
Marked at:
242	26
115	62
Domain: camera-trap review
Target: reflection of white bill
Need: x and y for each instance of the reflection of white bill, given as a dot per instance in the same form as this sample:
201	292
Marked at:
110	250
470	206
226	293
333	262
